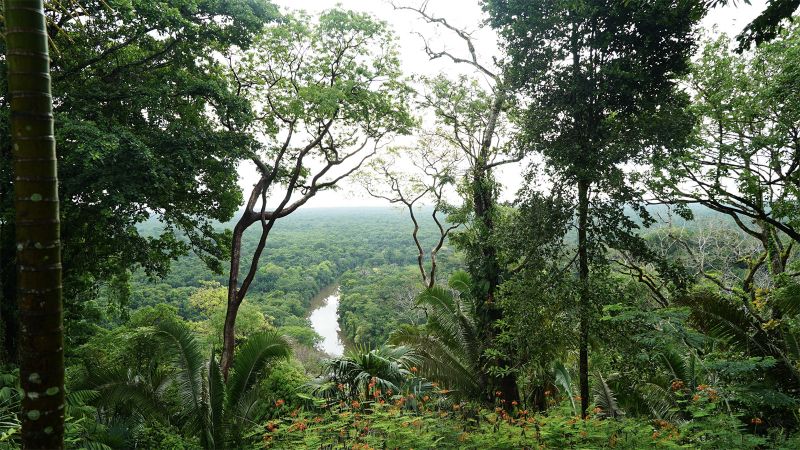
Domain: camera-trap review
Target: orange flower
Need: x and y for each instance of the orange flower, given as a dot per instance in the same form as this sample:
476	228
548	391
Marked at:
597	410
514	403
677	385
498	394
414	369
547	393
425	398
356	404
279	403
695	397
702	387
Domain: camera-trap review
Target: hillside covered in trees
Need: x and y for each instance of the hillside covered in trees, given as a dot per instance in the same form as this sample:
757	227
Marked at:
586	235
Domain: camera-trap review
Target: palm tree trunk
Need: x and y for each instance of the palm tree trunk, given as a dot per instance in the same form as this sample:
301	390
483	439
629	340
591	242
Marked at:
37	226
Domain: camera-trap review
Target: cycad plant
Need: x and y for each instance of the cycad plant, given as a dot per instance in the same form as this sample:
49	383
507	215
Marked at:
766	335
448	345
384	369
214	411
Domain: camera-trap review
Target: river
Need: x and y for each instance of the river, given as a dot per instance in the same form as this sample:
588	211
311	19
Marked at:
324	319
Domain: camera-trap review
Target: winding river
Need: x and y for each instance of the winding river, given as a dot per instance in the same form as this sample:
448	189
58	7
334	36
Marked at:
324	319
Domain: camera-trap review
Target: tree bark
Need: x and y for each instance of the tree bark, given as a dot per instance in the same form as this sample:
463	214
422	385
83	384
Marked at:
229	330
583	277
37	226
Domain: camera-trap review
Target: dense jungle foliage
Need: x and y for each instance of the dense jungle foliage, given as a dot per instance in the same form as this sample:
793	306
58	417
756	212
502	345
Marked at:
166	266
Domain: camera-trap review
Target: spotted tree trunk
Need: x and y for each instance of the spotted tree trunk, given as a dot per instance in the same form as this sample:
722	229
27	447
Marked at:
41	342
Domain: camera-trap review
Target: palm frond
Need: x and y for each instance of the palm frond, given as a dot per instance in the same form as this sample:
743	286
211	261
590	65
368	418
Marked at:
123	387
564	382
448	365
605	399
674	362
259	350
216	400
460	281
449	344
81	397
720	318
658	401
188	359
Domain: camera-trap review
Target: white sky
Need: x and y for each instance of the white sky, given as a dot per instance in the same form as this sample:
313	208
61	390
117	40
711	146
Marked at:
467	15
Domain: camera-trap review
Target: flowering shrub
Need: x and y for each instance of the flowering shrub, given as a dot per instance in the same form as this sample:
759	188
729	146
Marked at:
386	422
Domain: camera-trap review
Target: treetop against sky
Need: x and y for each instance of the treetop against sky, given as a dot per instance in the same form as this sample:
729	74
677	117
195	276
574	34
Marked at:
466	14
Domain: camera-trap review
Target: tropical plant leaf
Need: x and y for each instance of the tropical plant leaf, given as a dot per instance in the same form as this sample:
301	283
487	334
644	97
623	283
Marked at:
259	350
658	401
189	361
216	399
564	382
605	399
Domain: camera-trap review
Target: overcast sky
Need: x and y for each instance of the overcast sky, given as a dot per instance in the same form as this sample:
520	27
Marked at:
467	15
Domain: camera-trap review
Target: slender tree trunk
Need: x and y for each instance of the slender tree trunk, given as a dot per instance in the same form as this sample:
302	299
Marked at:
229	338
583	276
229	330
37	226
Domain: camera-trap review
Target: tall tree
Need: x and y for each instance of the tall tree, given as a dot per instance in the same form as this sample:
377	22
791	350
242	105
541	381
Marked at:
327	92
149	127
473	117
600	82
37	226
